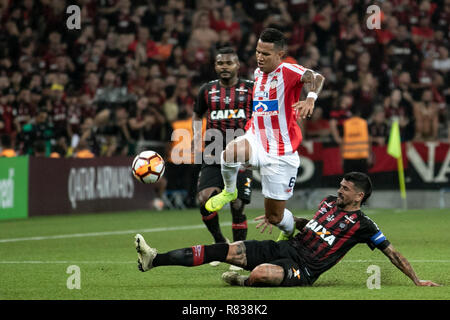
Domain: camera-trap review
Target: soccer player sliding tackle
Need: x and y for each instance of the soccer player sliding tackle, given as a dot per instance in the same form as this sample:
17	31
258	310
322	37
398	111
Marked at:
272	134
336	227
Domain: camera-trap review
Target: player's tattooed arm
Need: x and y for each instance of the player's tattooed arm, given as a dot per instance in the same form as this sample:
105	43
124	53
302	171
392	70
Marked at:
404	266
313	81
237	254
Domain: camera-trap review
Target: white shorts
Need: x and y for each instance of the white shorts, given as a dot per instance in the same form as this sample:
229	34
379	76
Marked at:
278	173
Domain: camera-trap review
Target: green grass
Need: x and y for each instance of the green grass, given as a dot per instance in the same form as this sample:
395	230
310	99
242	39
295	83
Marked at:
36	269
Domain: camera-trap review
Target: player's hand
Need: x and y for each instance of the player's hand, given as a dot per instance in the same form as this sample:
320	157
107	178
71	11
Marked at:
264	223
304	108
427	283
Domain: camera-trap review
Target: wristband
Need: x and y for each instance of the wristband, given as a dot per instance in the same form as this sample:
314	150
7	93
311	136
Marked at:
312	95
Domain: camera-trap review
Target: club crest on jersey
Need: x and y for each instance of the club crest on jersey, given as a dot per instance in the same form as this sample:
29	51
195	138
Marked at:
321	231
227	100
265	108
273	83
227	114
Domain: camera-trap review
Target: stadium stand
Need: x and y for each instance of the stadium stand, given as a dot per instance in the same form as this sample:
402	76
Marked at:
143	62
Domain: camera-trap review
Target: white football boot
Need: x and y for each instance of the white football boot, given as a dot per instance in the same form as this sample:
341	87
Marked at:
145	253
233	278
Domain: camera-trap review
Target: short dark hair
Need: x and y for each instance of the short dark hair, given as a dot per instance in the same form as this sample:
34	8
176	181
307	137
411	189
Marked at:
274	36
362	182
226	50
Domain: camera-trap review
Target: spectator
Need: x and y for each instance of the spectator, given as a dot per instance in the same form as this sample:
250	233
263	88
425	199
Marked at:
401	51
442	63
203	37
426	114
58	111
378	128
229	25
89	138
111	93
40	130
338	116
397	107
144	47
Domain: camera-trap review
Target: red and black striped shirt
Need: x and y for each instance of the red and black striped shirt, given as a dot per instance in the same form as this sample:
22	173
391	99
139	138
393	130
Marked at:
226	108
331	233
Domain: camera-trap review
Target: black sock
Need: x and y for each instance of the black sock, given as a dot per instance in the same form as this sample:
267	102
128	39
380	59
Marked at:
211	221
192	256
239	225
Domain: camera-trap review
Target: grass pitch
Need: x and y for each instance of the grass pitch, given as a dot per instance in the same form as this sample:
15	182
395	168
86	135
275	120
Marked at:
35	255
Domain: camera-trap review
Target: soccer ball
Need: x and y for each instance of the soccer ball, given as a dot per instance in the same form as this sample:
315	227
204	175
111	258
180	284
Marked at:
148	167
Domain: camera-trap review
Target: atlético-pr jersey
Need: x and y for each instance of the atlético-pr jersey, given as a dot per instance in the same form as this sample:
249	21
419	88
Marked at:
331	233
274	121
225	107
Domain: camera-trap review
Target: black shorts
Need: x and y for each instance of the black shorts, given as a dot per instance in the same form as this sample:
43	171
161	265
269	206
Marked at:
210	176
281	254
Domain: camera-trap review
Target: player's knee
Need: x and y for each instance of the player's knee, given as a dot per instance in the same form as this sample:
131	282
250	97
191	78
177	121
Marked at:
237	205
274	217
202	198
230	154
204	195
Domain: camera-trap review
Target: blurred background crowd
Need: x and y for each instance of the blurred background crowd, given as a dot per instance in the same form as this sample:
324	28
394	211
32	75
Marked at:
134	68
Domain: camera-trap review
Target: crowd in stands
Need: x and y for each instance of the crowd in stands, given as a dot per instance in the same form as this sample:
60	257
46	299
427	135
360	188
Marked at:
135	67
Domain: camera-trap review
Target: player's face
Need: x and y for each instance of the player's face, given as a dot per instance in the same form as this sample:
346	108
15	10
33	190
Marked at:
227	66
348	195
267	56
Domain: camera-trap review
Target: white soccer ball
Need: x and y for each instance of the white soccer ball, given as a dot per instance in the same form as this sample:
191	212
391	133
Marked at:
148	167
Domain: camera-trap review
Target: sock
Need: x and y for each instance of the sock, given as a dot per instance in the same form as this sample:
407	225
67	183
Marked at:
192	256
229	174
239	221
211	221
287	224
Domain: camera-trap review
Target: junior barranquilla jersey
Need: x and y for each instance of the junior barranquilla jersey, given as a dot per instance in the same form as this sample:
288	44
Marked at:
274	120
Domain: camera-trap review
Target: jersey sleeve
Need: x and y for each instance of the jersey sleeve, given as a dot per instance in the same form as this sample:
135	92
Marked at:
295	74
201	104
373	236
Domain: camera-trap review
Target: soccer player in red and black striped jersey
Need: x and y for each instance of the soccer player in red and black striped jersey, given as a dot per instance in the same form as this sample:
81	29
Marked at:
227	105
338	225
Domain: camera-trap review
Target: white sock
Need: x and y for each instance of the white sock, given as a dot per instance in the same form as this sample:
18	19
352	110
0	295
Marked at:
229	174
287	224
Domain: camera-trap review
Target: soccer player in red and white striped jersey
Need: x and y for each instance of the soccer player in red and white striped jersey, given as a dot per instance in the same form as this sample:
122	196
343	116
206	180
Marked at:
272	135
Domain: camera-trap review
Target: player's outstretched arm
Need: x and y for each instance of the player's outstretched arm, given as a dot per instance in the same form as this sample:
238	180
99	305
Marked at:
313	81
313	84
402	263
